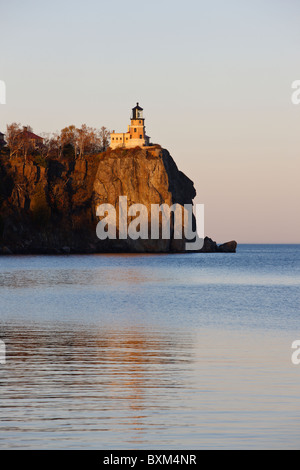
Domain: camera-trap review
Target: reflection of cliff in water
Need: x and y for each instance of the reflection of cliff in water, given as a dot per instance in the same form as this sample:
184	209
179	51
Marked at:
102	380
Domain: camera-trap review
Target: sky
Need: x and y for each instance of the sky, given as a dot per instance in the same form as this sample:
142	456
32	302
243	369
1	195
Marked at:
214	79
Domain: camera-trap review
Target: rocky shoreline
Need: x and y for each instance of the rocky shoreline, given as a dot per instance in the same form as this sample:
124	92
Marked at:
210	246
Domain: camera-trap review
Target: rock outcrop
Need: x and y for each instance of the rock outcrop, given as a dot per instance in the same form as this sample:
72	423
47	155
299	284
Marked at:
229	247
211	246
52	208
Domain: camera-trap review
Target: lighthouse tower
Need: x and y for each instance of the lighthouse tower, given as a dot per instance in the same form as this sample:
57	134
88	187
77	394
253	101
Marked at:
136	133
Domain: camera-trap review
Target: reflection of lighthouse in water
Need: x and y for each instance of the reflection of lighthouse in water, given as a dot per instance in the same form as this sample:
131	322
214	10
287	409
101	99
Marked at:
140	369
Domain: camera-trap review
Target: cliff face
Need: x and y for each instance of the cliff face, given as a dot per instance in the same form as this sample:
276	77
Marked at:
145	177
53	209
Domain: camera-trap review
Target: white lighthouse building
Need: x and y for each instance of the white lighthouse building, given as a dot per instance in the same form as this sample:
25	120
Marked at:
136	133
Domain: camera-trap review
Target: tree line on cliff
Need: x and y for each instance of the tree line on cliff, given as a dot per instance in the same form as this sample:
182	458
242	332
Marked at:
70	143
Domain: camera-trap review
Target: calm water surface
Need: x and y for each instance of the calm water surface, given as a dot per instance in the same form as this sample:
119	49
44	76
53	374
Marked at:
151	351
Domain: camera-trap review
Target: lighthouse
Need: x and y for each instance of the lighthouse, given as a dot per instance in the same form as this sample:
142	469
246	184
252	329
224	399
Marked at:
136	133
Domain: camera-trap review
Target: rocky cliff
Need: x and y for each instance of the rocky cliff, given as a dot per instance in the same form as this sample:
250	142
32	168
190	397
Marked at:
51	208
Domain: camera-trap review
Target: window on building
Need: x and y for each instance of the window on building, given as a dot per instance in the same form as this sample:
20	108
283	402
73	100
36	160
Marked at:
135	129
141	136
140	122
113	138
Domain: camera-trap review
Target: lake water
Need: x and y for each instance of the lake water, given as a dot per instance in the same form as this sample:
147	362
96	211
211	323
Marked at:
151	351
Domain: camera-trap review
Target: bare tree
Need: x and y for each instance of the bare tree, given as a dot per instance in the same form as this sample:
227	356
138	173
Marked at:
68	136
14	139
105	138
83	139
52	146
27	143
